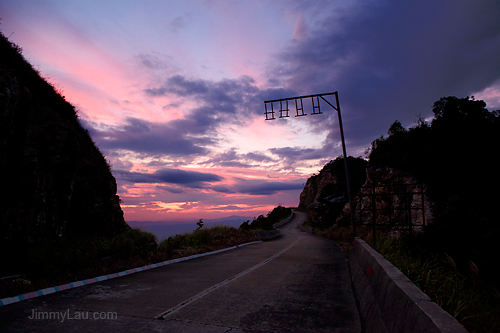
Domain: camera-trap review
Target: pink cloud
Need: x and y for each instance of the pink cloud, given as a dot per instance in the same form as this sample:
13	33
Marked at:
300	30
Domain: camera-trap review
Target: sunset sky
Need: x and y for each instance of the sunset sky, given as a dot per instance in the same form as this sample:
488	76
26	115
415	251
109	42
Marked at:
172	91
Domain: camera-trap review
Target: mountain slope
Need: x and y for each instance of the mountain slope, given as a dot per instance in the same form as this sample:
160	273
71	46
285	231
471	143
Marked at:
55	182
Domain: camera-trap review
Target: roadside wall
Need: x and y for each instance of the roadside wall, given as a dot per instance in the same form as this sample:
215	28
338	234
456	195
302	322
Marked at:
285	221
264	235
389	301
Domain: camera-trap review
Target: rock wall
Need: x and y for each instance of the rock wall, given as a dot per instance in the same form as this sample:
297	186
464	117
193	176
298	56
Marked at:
325	194
325	197
55	183
391	203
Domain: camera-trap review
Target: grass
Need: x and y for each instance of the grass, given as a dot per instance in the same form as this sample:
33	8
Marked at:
42	266
460	291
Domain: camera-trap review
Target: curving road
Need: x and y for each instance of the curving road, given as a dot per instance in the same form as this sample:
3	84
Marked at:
296	283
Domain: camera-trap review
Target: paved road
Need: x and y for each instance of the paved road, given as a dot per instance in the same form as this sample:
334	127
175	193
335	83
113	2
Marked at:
296	283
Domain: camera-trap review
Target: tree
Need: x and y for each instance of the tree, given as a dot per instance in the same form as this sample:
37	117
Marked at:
245	226
199	224
396	128
455	156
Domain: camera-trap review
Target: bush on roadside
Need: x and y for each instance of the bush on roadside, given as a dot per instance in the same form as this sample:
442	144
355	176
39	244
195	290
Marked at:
44	265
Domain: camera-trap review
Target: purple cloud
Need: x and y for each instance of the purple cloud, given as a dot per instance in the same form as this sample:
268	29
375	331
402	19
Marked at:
231	158
260	187
392	60
185	178
173	138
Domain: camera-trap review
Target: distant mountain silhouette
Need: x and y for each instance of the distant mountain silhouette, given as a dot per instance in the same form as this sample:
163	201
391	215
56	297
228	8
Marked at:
54	181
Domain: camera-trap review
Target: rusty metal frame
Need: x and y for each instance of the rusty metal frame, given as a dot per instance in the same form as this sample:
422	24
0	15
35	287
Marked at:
408	207
336	107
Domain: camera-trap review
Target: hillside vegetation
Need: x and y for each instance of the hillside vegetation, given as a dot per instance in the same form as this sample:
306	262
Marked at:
454	259
55	183
85	258
455	155
262	222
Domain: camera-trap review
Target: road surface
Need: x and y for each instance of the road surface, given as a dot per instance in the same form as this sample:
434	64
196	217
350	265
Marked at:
296	283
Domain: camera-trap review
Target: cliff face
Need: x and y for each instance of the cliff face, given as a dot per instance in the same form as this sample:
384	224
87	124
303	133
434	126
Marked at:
312	194
395	204
325	194
55	183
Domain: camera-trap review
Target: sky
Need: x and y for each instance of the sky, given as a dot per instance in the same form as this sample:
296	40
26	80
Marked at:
172	92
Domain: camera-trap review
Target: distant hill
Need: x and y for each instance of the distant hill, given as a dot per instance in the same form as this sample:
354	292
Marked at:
165	229
55	183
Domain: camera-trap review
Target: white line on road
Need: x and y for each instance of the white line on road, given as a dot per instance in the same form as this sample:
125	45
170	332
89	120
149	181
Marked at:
220	284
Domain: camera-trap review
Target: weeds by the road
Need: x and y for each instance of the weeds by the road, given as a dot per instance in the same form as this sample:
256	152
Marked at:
459	291
43	266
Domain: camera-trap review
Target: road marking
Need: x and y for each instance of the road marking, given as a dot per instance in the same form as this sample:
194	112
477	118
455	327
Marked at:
220	284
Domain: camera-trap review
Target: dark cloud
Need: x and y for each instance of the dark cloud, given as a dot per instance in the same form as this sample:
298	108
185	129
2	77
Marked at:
175	138
154	62
391	59
222	189
387	60
170	189
291	155
219	103
212	93
134	177
294	152
194	179
257	157
231	158
177	176
226	100
177	24
261	187
150	61
185	178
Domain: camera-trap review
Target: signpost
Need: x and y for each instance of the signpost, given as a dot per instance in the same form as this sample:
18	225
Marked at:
299	107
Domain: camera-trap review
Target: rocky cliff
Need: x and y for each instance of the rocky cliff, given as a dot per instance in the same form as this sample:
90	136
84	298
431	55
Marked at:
393	194
397	197
325	194
55	183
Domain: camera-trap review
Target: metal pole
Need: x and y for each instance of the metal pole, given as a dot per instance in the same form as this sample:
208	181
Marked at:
349	193
353	222
374	214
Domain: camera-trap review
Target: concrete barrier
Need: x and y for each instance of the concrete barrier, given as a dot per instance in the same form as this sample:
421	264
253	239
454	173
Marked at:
285	221
389	301
264	235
